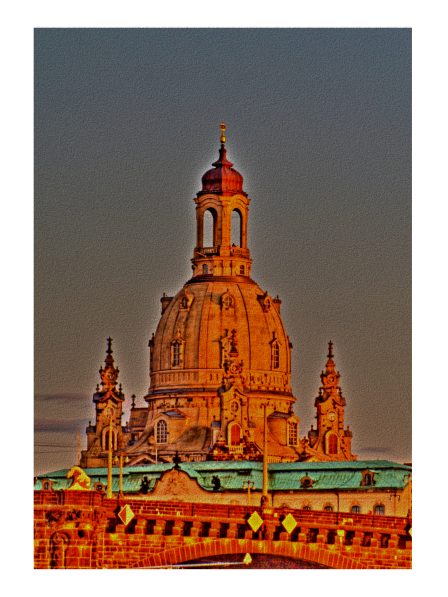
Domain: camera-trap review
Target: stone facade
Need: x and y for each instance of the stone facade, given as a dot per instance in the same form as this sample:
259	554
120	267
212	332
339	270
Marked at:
108	400
330	441
361	487
219	359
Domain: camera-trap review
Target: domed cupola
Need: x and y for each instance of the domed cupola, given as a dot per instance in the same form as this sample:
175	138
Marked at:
221	210
220	353
222	178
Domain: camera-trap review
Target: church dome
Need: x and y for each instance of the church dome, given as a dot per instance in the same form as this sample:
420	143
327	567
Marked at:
210	321
220	360
222	178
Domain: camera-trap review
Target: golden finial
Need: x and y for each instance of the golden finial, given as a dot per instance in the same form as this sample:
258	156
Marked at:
222	126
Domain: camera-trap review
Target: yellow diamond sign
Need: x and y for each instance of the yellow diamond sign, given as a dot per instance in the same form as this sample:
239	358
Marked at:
255	521
289	523
126	514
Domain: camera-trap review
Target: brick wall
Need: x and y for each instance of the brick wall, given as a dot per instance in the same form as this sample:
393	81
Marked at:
77	529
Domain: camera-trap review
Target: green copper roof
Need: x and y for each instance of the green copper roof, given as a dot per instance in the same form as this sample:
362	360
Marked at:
233	475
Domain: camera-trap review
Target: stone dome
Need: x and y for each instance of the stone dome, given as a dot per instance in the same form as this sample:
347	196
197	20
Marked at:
222	178
220	360
206	320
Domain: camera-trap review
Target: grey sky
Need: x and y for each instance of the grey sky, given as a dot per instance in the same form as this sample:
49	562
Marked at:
319	125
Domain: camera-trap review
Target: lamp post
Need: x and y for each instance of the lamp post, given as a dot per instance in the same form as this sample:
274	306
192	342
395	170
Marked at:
119	460
248	485
264	496
109	461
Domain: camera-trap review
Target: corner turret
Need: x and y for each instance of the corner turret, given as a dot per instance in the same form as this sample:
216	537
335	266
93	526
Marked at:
108	400
330	441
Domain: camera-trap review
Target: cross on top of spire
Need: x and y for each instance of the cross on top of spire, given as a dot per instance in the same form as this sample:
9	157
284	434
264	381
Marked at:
222	126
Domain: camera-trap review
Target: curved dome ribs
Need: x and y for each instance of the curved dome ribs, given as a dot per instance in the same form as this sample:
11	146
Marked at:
220	360
211	356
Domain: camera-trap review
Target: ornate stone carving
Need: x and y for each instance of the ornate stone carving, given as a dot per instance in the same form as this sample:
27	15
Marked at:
265	301
186	299
225	346
232	365
58	548
81	481
227	301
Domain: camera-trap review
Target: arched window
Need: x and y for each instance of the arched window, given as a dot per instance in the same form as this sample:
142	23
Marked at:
236	228
176	354
209	224
106	438
356	509
235	435
379	510
332	444
292	434
328	508
275	355
368	478
161	432
177	351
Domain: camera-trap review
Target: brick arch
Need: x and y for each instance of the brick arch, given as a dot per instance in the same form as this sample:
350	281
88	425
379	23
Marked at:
202	549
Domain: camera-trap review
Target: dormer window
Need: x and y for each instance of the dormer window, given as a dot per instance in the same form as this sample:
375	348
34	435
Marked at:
275	352
275	355
161	432
368	478
306	482
176	354
177	351
292	434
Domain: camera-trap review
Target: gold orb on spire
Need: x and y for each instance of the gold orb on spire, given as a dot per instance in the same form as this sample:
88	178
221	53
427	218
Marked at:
222	126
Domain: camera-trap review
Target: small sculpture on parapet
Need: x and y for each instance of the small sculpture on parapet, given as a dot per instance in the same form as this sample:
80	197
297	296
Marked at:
144	487
176	461
216	483
81	481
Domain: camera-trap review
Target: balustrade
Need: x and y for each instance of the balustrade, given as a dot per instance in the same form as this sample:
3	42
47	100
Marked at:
162	526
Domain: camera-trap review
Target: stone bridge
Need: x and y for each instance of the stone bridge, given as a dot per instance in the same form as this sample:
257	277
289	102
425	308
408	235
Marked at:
84	529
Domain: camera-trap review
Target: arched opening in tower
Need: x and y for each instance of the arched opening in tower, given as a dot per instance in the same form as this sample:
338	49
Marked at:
210	232
235	435
332	444
237	228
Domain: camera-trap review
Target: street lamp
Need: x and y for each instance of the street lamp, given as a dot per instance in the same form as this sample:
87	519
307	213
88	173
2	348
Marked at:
109	461
248	485
119	460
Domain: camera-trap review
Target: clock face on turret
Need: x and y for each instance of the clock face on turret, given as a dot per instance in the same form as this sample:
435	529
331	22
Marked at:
331	416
